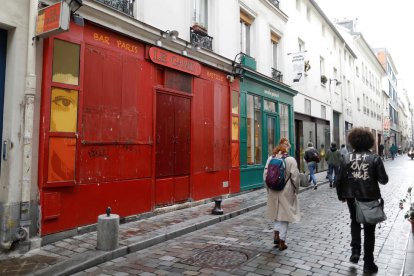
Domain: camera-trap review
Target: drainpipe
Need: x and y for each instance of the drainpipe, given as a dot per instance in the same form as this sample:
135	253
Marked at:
29	94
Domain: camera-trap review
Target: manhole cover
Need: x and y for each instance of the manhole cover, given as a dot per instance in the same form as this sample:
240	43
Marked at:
219	256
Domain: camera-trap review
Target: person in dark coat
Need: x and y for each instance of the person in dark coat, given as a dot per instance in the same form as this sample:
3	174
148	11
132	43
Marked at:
359	175
333	158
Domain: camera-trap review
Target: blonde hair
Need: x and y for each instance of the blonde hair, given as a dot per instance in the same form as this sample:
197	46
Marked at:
280	149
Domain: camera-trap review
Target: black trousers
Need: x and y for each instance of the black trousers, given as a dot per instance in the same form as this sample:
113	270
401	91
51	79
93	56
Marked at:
369	234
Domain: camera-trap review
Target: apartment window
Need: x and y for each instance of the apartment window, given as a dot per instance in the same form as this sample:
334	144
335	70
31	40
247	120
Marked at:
357	71
323	112
322	68
308	107
323	30
245	22
334	42
298	6
344	56
200	14
358	104
308	14
254	130
301	45
274	41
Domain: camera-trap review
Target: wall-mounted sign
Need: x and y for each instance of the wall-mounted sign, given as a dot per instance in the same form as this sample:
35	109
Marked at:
53	20
174	61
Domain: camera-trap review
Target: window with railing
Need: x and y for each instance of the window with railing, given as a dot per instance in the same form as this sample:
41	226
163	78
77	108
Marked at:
277	75
200	38
125	6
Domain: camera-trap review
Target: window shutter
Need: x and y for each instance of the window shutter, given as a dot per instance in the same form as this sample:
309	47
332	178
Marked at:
274	37
246	18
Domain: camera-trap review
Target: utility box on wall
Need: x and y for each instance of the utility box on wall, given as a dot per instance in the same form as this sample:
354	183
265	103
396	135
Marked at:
248	61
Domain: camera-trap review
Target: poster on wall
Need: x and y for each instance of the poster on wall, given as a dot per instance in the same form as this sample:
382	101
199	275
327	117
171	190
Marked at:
298	68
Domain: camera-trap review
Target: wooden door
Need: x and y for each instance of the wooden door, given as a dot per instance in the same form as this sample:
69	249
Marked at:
172	152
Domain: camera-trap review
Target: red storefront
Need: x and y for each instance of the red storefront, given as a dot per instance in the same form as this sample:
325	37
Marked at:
131	126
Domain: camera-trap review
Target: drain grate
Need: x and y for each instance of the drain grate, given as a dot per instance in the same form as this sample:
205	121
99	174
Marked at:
220	256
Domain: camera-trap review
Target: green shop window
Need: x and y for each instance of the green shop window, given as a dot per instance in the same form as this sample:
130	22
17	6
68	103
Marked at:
254	130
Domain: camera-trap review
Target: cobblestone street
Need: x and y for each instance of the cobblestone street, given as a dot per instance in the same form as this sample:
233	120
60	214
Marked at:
318	245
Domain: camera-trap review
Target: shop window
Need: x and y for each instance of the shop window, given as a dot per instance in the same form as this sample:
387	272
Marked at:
65	62
178	81
63	110
254	137
284	120
269	106
61	159
235	115
234	102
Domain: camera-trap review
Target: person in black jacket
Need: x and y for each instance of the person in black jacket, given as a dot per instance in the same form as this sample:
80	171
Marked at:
358	178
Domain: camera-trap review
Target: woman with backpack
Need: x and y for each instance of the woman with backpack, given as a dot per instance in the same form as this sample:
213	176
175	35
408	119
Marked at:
282	205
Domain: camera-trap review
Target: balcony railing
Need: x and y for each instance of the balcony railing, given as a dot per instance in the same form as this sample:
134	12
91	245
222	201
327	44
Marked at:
275	3
125	6
199	36
277	75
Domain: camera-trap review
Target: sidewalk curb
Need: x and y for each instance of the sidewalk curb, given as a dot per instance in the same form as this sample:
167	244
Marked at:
89	259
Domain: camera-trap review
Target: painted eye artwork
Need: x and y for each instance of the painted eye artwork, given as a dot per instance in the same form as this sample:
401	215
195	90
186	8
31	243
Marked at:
64	109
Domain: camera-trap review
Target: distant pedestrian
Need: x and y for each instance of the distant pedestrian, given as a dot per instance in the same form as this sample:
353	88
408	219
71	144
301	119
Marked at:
381	151
312	158
393	151
344	150
358	178
282	206
333	158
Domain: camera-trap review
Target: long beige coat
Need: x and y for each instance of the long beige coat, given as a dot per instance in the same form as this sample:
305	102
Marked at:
283	205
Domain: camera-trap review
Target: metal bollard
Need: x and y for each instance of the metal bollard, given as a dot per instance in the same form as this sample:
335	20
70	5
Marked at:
108	228
217	207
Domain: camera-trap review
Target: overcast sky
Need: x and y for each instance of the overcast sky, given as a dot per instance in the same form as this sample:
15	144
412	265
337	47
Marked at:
383	23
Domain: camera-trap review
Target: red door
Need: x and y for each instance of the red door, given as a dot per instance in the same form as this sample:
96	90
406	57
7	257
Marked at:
172	152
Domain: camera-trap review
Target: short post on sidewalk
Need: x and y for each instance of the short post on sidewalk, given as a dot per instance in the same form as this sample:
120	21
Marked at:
108	228
217	206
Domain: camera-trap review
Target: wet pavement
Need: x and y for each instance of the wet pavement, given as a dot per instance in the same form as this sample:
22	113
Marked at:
191	241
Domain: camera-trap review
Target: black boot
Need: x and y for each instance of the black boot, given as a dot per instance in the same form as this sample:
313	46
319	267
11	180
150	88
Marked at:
370	267
356	253
276	238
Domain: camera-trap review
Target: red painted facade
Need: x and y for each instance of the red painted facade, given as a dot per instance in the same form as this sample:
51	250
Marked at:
146	134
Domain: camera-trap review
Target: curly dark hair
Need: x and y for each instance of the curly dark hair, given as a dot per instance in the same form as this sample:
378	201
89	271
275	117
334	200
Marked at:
361	139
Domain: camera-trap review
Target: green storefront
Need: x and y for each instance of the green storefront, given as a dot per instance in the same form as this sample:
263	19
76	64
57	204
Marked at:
266	115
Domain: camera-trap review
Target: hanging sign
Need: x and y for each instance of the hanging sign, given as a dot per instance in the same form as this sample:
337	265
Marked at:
174	61
53	20
298	68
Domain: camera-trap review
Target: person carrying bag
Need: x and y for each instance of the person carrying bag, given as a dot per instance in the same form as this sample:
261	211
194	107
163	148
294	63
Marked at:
357	184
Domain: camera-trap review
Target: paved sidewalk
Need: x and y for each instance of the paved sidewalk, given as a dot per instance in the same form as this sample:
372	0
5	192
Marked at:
78	253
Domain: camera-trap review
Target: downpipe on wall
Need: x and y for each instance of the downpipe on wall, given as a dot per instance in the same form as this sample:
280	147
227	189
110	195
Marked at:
21	234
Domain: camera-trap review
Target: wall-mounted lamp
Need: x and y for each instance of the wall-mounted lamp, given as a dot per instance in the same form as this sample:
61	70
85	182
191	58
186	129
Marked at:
169	35
337	82
74	5
237	68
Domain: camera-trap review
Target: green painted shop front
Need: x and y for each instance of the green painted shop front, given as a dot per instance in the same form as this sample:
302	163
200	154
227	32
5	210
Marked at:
266	115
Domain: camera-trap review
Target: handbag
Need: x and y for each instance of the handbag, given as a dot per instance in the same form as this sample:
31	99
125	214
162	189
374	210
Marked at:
370	212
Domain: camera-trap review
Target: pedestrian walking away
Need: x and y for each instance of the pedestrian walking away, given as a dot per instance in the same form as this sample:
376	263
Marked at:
381	151
360	172
333	158
344	150
282	206
393	151
312	158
